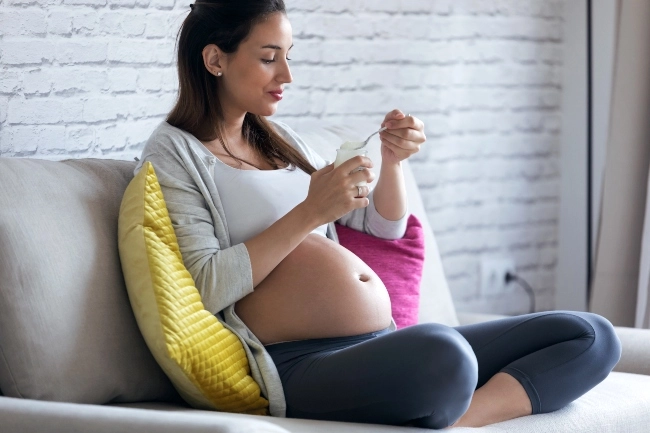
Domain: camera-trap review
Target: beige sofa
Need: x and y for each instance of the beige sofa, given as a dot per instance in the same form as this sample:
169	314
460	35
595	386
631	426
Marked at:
72	358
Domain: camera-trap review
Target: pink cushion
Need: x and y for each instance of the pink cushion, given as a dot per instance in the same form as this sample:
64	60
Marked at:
397	262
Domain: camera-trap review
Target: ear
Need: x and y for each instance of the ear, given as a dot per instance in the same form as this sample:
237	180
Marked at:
213	59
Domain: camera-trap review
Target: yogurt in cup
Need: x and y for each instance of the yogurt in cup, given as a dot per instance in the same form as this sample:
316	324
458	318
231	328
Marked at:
348	150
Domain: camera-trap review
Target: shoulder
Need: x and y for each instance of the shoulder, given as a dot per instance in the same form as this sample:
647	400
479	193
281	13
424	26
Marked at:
166	144
294	139
287	133
166	135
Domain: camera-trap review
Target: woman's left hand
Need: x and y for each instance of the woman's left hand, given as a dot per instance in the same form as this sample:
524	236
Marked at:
403	138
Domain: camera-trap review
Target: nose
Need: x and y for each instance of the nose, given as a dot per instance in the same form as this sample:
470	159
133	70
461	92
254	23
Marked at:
284	74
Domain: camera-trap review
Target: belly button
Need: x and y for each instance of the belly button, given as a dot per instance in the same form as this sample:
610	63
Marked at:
363	278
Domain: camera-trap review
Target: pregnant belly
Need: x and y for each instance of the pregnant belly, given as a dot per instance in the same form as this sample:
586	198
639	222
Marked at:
319	290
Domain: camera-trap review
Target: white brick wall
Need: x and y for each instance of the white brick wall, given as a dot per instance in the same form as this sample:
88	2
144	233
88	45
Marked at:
91	78
85	78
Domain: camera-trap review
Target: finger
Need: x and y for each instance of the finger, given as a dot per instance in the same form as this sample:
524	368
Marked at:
355	162
399	142
404	133
361	175
361	191
406	122
400	153
361	202
396	114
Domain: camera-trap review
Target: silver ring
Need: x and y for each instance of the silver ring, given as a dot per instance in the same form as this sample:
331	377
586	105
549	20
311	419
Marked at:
408	115
358	191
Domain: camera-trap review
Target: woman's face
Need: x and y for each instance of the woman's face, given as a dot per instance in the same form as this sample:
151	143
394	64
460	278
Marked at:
254	76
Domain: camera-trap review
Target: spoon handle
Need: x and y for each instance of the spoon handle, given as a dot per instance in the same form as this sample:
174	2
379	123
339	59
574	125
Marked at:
370	136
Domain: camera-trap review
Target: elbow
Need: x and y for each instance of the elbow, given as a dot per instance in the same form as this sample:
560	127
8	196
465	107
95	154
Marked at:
223	277
201	278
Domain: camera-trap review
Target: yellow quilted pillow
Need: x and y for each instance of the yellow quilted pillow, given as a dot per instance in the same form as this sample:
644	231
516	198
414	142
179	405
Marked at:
205	361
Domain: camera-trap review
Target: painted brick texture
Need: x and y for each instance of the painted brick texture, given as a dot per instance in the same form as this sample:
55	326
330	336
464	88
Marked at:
92	78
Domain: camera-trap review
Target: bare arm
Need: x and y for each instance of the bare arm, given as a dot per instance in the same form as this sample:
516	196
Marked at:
332	193
402	139
364	219
270	247
390	192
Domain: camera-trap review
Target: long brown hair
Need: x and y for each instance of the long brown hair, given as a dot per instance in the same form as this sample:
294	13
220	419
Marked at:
225	23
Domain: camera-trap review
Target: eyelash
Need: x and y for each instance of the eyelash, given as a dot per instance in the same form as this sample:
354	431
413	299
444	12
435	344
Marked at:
266	61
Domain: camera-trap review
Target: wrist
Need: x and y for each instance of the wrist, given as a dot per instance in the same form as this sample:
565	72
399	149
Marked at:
392	166
308	216
390	171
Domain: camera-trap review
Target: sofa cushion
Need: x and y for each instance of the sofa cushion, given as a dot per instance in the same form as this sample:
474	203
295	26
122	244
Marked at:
436	304
67	331
617	404
30	416
397	262
205	361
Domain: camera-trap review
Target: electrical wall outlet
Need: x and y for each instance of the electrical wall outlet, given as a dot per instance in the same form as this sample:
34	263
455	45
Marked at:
493	274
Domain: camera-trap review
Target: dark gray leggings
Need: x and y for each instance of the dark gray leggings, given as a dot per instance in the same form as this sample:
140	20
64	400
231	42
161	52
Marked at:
425	375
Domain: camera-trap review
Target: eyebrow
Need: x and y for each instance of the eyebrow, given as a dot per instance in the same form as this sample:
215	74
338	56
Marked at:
275	47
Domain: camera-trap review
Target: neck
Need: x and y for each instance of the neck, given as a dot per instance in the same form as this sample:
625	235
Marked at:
233	125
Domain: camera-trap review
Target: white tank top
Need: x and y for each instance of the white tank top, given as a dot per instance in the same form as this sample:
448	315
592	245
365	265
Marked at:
255	199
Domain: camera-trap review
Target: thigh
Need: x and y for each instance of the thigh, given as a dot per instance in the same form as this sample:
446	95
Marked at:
498	343
425	370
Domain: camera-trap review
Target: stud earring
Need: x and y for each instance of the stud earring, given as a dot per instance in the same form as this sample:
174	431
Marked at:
219	74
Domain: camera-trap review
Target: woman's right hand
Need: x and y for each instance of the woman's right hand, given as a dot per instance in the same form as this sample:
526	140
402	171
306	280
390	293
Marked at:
333	192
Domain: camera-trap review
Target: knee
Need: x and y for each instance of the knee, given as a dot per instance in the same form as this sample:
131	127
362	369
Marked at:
605	346
447	372
447	356
606	342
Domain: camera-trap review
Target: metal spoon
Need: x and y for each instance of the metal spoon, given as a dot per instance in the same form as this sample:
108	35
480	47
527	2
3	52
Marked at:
370	136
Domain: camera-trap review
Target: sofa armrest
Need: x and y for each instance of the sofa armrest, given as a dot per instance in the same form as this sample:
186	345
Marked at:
31	416
636	350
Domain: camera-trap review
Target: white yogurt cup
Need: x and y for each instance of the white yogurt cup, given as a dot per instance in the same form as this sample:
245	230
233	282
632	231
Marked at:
343	155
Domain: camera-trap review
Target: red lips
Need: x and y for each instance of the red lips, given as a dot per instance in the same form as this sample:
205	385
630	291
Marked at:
277	94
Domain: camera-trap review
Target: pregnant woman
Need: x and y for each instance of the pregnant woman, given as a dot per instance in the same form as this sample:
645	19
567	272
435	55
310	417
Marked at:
253	208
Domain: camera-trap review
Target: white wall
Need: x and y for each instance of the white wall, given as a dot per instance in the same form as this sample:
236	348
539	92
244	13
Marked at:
91	78
84	77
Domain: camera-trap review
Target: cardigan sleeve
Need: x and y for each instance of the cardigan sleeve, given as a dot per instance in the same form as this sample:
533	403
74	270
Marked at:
368	219
222	275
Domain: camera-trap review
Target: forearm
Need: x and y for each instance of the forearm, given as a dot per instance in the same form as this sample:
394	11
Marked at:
390	192
270	247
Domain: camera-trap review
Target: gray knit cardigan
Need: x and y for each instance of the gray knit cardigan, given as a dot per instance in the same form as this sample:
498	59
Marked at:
222	272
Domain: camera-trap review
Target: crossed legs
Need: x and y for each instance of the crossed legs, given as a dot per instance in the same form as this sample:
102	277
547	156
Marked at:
435	376
562	345
500	399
